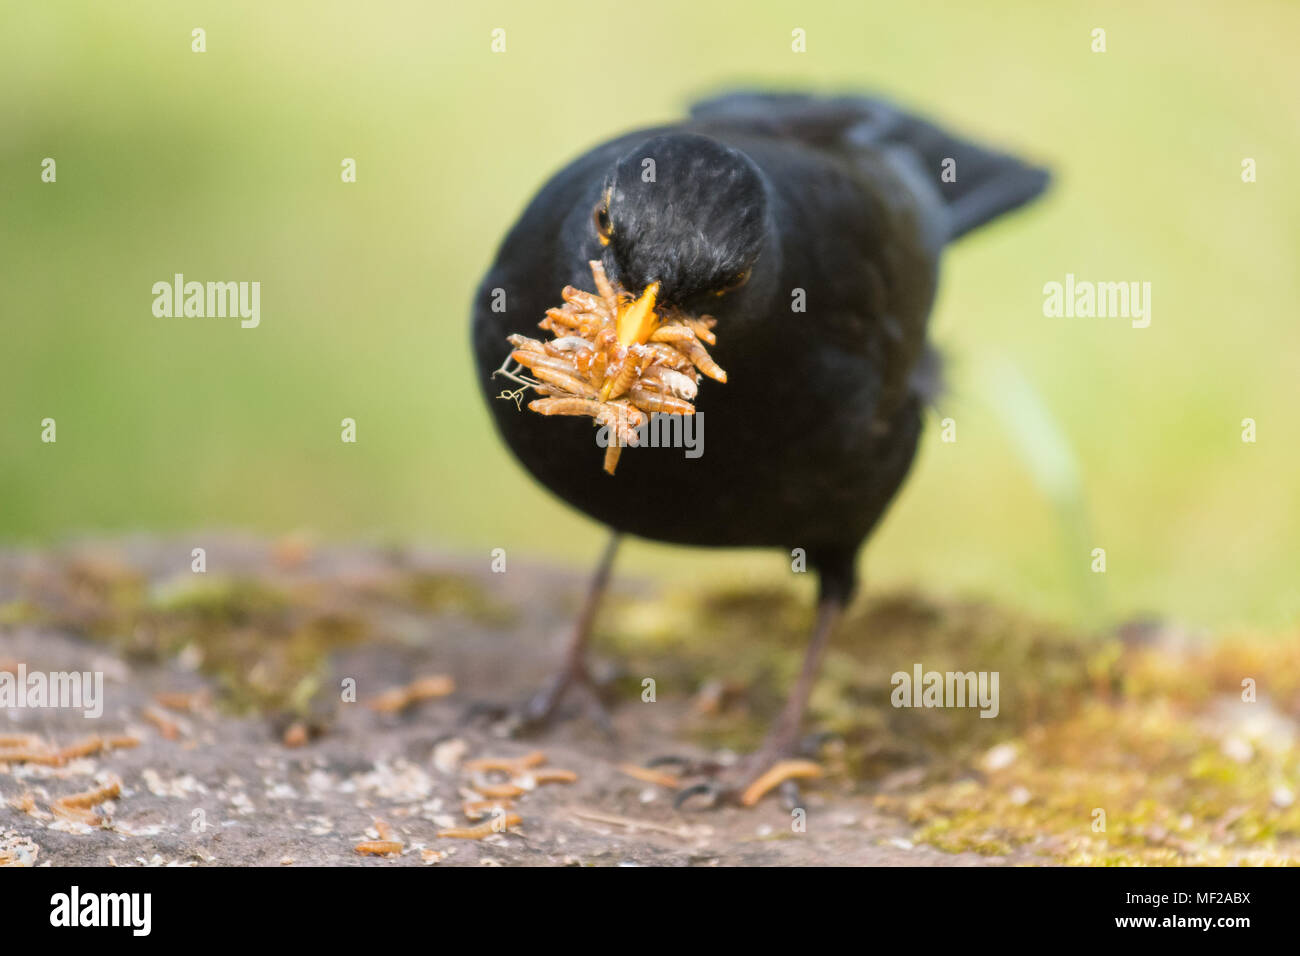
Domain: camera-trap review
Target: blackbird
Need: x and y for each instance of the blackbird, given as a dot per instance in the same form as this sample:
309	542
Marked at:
811	229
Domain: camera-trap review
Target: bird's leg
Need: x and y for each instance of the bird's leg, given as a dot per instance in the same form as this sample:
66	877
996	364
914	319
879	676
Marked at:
784	736
774	759
541	709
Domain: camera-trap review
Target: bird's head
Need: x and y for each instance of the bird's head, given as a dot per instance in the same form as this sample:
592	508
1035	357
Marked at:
683	221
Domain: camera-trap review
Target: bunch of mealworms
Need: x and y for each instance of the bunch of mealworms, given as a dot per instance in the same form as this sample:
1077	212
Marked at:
585	370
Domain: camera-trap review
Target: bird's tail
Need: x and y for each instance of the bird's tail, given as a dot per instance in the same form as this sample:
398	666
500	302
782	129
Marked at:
975	183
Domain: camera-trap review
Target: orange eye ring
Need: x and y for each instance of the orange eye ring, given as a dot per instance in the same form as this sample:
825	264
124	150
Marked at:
736	282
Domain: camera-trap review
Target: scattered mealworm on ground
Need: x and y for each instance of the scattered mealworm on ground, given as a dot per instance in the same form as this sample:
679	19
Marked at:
426	688
477	809
506	764
80	806
482	830
42	757
650	775
386	845
378	847
390	701
166	726
551	775
84	748
295	735
186	702
78	814
28	748
435	685
498	790
775	776
91	798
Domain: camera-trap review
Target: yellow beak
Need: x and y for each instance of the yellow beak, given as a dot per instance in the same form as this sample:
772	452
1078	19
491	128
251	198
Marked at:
637	320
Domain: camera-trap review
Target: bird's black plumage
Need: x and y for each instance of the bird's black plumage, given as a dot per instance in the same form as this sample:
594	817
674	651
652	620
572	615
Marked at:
840	203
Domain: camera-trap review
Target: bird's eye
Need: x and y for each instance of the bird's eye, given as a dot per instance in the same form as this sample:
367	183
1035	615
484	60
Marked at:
735	282
604	228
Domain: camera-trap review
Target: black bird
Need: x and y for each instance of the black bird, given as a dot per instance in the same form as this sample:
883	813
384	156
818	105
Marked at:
811	228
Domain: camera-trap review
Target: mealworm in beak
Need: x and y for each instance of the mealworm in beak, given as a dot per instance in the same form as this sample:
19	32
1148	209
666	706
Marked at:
585	370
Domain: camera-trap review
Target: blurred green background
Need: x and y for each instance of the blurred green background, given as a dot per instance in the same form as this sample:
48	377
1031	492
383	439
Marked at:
1072	433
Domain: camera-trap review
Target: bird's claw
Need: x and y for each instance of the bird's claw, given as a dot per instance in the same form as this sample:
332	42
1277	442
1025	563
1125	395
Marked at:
542	709
745	784
712	789
779	766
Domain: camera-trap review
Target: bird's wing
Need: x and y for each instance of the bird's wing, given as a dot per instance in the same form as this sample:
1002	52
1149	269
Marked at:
981	184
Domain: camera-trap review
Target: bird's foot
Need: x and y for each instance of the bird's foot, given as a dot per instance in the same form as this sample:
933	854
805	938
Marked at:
745	782
543	709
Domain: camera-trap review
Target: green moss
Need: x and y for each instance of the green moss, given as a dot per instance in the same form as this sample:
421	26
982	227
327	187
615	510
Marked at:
1157	738
268	647
267	640
13	613
442	593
